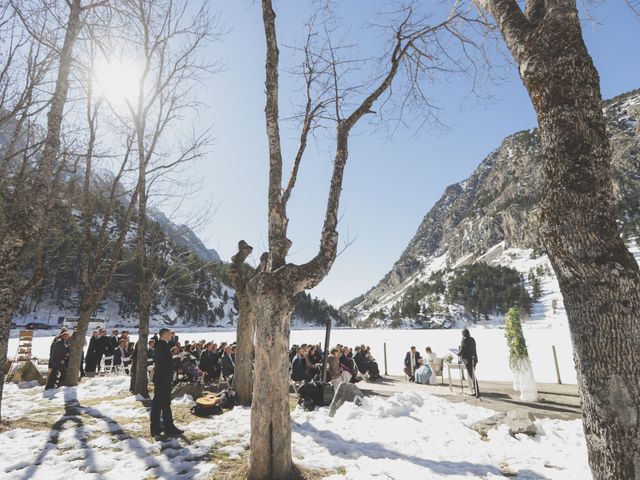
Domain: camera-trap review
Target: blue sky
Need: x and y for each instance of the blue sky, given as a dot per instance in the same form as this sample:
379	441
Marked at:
390	183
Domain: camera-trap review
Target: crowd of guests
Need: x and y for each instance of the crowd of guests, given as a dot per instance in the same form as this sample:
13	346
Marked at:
344	364
201	361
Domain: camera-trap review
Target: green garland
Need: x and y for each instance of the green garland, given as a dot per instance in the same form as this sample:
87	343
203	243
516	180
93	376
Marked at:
515	338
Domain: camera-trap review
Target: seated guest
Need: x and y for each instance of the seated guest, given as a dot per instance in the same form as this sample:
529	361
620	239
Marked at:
311	369
121	355
209	362
435	364
360	361
423	373
228	363
298	367
333	367
184	363
372	365
347	365
318	355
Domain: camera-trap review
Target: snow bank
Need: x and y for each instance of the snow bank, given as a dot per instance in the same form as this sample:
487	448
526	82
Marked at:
410	435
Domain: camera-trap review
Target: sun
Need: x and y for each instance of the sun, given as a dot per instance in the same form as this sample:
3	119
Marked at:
118	81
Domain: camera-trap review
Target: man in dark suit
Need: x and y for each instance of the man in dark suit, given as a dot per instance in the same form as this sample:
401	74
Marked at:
228	363
469	357
57	361
209	362
297	366
411	362
162	380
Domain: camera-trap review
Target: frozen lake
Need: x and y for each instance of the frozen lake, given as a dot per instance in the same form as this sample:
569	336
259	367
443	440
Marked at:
492	349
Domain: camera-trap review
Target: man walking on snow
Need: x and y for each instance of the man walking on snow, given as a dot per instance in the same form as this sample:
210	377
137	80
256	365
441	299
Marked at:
162	380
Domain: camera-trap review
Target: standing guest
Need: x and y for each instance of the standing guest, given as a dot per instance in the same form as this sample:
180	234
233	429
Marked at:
58	360
298	369
92	354
174	340
469	357
228	363
411	362
103	347
114	339
121	355
151	351
162	378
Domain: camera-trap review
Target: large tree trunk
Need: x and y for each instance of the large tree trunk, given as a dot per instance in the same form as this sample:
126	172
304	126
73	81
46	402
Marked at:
598	277
272	303
76	343
145	279
141	384
243	374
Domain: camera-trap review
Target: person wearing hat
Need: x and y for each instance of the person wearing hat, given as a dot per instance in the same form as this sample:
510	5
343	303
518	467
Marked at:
162	380
58	361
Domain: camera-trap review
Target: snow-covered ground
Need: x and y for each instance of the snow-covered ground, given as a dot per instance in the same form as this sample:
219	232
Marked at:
410	435
492	348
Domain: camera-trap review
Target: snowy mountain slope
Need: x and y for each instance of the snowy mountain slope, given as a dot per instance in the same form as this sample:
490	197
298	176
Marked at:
492	217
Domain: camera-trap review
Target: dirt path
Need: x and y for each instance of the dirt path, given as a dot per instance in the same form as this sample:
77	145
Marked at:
556	401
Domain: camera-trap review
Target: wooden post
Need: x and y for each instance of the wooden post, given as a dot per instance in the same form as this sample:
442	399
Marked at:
555	359
385	358
327	336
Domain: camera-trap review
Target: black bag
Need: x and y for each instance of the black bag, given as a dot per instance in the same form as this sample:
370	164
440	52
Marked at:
314	394
227	399
206	412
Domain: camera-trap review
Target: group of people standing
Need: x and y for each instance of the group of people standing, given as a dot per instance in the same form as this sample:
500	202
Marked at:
117	345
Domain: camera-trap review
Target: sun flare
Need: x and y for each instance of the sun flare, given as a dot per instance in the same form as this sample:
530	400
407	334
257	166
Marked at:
117	81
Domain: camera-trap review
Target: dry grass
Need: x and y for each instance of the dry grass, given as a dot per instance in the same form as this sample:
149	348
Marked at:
238	469
42	424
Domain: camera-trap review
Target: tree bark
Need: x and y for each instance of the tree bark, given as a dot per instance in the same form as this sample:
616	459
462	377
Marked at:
598	277
34	227
272	302
76	342
144	305
243	374
7	306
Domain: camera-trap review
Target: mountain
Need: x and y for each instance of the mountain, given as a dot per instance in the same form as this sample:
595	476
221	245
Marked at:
492	218
183	235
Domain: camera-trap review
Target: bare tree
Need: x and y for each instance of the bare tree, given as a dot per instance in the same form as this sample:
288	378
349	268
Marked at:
271	290
101	252
168	36
43	164
599	278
